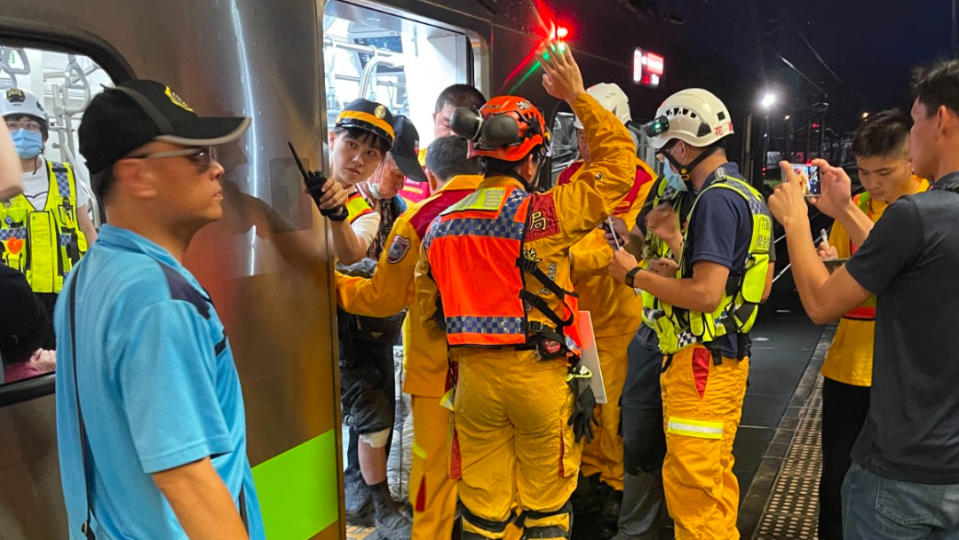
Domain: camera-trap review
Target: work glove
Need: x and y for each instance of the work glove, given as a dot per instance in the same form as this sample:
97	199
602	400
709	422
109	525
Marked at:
584	401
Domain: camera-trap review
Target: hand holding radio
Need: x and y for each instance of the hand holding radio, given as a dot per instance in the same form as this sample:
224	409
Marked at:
328	194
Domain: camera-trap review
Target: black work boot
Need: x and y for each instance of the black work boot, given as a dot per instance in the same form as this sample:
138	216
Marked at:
388	517
359	504
587	498
609	514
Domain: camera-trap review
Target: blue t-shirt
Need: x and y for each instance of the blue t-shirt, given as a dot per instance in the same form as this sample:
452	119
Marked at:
158	389
721	227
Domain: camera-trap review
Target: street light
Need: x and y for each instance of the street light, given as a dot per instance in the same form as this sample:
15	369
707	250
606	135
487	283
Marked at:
865	116
787	118
767	101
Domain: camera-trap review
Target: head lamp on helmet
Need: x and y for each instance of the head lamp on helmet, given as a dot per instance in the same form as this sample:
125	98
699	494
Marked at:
694	116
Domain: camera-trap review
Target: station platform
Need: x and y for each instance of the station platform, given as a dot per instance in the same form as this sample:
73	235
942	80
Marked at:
777	452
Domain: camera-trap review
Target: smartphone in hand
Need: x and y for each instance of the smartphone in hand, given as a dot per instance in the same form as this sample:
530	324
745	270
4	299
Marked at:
812	187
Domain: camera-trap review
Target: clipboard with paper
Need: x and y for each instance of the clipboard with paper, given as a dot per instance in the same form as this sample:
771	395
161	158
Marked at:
590	356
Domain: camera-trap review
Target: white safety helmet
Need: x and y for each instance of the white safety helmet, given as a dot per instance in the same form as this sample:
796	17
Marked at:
694	116
16	101
612	98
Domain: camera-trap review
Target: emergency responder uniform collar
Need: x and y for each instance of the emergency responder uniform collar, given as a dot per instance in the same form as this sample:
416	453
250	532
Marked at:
123	118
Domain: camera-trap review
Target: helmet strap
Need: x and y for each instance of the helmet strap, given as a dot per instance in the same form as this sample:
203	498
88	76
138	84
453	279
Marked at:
686	170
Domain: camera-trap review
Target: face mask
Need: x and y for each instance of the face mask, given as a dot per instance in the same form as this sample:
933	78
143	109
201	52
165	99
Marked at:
375	191
29	143
674	182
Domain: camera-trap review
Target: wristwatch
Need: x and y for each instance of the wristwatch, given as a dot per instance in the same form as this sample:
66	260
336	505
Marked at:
631	275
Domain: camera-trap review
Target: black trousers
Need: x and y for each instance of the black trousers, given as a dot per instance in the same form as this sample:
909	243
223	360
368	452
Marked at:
367	394
844	409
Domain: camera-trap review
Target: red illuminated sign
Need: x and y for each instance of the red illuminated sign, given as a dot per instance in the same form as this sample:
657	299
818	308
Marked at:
648	68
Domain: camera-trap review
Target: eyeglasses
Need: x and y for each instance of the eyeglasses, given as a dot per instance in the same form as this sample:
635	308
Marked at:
202	156
29	125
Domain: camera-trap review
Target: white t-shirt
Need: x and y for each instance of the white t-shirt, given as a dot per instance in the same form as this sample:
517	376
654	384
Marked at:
366	226
36	185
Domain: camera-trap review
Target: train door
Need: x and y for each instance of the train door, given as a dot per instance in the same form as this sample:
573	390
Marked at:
403	61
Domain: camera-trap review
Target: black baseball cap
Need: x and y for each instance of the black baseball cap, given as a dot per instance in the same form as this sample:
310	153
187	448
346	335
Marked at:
369	116
134	113
406	149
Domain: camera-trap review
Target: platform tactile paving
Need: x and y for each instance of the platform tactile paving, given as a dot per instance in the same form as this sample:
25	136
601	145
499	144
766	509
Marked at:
793	506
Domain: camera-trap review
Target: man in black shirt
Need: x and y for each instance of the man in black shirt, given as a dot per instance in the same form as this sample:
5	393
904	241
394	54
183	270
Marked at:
904	481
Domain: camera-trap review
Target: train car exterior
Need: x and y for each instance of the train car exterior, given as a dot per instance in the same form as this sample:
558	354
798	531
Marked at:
271	279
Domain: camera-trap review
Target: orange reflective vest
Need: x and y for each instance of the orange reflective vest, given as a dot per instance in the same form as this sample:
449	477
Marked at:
475	251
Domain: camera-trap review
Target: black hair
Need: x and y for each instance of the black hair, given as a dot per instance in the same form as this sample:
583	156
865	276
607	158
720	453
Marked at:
446	158
460	95
885	134
102	184
937	85
44	126
363	136
494	167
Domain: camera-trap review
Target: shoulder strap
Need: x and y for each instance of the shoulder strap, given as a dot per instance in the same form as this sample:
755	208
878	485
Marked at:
85	528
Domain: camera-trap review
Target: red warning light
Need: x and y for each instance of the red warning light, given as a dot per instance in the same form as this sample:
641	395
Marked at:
648	68
815	125
562	32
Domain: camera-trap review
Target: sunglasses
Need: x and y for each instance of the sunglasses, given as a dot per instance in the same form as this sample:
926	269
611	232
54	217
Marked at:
201	156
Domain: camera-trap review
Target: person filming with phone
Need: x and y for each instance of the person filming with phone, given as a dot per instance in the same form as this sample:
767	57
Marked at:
881	147
905	462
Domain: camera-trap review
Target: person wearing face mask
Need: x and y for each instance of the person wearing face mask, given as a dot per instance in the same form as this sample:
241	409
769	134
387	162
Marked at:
45	230
704	311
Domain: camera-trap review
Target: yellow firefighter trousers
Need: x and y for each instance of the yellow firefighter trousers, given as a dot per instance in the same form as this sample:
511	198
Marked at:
604	455
702	405
432	491
511	413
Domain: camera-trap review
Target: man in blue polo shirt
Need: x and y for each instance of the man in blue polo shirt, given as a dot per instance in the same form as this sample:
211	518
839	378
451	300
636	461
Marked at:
150	417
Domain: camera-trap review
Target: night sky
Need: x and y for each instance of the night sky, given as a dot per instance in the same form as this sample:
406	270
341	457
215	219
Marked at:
870	46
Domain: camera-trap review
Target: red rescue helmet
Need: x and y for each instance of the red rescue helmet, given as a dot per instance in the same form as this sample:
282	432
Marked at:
511	128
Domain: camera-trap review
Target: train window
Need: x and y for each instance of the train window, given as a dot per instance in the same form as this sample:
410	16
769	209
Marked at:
43	94
392	59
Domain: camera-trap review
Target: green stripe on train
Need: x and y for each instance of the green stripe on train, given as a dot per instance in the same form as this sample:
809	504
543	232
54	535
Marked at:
297	489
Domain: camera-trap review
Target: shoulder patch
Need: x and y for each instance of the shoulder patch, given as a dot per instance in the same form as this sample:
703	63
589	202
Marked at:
543	220
398	249
181	289
425	214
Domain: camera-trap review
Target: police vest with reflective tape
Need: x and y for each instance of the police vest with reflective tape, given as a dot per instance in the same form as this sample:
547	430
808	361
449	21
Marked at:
478	261
44	244
736	313
656	248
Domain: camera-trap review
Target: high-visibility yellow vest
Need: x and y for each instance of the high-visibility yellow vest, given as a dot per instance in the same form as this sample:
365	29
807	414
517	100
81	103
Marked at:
655	247
44	244
736	313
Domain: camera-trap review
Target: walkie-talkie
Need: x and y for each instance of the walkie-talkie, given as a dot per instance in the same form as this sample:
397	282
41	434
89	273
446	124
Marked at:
315	181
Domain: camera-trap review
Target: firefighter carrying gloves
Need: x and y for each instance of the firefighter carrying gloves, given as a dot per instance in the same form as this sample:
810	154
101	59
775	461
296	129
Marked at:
511	332
615	314
702	316
45	230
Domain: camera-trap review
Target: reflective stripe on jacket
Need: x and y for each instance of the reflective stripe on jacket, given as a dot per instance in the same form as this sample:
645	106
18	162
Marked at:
44	244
